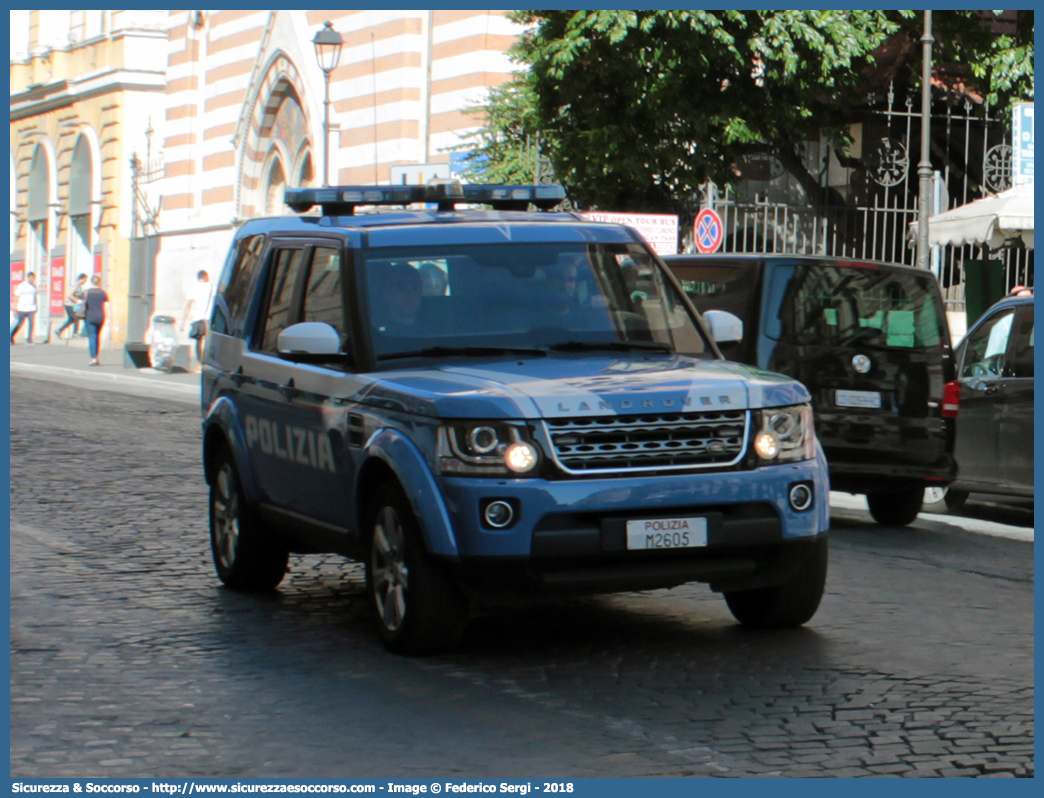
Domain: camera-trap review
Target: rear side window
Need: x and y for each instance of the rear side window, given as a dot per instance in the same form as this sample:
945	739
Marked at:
234	289
833	305
286	267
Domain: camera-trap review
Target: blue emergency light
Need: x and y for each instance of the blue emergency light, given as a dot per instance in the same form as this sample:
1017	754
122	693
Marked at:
343	200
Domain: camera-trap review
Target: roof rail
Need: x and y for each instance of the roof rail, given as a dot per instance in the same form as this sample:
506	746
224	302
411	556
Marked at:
343	200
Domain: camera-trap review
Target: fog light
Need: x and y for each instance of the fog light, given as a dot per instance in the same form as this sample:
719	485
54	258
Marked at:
766	445
499	514
520	457
800	497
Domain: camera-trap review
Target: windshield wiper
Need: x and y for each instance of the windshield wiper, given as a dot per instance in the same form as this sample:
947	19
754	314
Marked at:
474	351
583	346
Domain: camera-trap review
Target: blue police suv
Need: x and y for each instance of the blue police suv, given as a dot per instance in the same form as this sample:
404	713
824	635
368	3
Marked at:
494	403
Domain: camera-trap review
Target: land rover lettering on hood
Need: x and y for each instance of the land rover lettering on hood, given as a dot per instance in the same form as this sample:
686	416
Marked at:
494	404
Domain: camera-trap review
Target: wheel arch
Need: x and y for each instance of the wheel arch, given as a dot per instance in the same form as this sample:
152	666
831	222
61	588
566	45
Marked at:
222	428
391	456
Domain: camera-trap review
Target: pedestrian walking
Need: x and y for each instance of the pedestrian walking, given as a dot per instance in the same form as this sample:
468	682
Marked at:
94	300
75	309
197	311
25	306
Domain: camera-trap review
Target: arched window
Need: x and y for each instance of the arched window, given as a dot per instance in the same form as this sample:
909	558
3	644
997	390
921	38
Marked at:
275	184
305	174
39	210
81	182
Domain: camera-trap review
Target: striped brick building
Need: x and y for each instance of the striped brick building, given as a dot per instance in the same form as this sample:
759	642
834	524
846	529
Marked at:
234	114
244	113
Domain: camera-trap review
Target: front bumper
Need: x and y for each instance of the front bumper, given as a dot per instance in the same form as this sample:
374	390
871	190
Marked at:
570	535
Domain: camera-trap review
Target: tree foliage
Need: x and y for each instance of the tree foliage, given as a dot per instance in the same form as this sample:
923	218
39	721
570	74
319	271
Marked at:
637	109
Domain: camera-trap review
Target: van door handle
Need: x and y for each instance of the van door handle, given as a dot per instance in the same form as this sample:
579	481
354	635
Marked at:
288	390
990	389
238	377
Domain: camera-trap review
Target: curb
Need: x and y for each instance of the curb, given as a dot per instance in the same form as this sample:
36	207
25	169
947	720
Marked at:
30	369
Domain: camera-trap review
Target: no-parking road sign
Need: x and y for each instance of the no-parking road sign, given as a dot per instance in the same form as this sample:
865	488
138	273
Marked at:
708	231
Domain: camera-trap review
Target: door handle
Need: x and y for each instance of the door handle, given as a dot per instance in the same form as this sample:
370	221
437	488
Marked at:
990	389
288	390
238	377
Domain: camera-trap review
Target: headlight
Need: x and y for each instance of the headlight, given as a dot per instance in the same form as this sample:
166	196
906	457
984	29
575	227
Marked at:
785	435
483	448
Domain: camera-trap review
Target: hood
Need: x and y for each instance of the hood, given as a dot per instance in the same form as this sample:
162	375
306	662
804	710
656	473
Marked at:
570	386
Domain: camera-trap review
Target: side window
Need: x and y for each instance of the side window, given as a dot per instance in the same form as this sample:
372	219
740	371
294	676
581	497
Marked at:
279	315
985	349
1022	353
235	285
323	299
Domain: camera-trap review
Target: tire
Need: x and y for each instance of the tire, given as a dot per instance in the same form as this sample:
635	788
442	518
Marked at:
245	556
896	508
416	606
791	604
943	500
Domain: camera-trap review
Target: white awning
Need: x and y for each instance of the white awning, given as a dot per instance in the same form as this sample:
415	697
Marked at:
992	220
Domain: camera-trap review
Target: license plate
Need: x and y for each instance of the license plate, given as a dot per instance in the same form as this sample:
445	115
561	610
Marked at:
858	399
667	533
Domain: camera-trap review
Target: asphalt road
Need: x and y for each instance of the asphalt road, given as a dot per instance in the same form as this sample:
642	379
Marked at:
129	659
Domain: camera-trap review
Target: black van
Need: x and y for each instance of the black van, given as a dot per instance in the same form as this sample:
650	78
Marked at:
871	343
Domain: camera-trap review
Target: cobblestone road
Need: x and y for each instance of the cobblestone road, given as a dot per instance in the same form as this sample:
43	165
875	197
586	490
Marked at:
128	659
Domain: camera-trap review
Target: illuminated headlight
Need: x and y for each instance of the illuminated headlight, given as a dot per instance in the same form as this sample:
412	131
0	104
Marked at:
785	434
520	457
480	448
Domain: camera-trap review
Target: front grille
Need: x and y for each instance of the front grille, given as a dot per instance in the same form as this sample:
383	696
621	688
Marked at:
648	442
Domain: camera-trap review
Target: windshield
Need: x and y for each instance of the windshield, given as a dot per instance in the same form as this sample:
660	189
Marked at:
433	301
836	305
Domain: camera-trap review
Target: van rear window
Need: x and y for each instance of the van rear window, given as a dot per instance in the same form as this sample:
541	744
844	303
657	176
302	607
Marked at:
844	306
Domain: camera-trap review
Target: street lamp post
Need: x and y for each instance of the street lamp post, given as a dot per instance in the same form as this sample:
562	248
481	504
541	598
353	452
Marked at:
924	168
328	53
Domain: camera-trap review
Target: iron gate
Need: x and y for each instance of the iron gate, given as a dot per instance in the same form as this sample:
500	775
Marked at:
770	212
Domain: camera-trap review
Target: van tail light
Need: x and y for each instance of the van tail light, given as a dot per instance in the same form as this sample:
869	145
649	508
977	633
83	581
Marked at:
951	399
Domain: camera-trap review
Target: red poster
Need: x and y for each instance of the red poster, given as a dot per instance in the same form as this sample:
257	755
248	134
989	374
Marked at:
57	286
97	263
17	275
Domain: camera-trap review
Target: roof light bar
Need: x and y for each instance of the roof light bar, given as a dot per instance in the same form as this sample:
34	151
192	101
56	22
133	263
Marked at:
342	200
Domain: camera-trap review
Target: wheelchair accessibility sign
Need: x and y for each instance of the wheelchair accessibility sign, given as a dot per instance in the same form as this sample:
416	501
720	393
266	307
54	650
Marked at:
708	231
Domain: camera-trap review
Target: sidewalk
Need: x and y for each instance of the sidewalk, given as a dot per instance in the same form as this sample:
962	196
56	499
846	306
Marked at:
68	362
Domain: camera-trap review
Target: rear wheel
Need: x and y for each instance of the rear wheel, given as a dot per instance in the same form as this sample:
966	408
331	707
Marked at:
943	500
245	557
416	606
790	604
895	508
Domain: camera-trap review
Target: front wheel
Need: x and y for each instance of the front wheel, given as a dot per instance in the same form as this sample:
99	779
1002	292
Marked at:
790	604
895	508
245	556
416	606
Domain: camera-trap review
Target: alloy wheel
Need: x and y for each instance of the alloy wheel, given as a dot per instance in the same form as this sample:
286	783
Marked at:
390	574
226	516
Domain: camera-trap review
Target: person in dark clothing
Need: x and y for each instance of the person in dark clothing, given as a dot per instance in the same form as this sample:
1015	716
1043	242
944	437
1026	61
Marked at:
74	307
95	299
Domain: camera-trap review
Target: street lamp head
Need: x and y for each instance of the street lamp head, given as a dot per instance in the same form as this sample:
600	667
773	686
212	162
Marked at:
328	47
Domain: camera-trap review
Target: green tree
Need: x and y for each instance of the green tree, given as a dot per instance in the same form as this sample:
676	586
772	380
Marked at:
637	109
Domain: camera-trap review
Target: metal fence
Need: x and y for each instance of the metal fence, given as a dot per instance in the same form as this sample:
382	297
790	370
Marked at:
878	189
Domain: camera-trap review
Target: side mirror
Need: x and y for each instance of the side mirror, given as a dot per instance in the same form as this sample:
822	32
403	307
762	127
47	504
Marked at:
309	338
725	327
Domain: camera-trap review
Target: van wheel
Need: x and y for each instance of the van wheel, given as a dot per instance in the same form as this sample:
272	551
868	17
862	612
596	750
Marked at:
417	607
245	556
895	508
943	500
790	604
